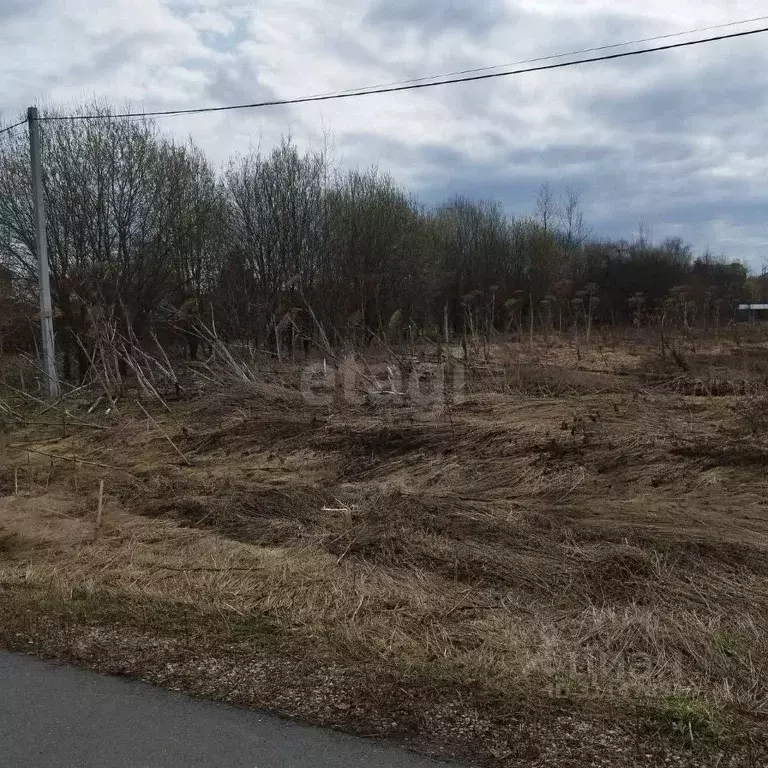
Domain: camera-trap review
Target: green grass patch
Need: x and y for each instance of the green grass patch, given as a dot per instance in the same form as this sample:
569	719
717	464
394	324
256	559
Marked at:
21	603
688	720
727	644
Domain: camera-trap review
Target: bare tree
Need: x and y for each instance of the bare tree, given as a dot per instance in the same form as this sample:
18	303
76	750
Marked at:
546	206
282	245
575	231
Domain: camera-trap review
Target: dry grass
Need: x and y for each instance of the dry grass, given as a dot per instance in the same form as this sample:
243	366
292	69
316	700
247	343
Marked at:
569	567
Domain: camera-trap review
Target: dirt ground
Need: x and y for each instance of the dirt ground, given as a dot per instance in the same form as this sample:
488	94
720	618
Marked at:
566	565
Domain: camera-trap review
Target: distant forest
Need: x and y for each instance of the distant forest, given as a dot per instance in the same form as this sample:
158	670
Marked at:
145	228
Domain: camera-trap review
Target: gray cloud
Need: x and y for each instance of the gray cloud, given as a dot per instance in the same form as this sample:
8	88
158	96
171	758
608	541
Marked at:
676	140
10	8
236	87
431	19
686	103
106	60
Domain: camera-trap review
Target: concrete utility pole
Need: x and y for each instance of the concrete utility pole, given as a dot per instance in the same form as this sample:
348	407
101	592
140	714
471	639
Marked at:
46	312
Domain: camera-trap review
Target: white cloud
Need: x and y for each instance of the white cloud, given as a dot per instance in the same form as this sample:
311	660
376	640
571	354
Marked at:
210	21
664	138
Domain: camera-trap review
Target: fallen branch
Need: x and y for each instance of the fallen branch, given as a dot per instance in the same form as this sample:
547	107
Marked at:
10	411
63	397
78	460
24	446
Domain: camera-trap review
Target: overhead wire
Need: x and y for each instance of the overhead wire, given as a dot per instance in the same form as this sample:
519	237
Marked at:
11	127
550	57
413	86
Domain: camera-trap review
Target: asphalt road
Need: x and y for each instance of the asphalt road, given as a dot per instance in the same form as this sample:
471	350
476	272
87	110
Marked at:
60	717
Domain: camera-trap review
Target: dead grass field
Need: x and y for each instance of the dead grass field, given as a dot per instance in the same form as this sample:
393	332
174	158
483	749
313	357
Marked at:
568	567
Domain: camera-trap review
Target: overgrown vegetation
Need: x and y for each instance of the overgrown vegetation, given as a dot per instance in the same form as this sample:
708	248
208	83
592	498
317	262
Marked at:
145	231
564	563
483	485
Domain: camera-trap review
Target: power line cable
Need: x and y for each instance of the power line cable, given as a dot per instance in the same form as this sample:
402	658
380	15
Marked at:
551	56
414	86
11	127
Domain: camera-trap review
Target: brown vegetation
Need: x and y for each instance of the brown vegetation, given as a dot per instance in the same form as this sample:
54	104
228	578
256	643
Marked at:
142	230
567	565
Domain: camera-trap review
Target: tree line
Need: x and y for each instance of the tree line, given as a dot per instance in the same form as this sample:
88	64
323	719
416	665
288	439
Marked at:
144	228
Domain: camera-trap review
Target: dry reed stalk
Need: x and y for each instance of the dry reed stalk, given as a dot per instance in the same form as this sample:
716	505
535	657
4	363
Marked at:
576	586
10	411
142	379
77	459
49	406
167	368
103	380
165	435
63	397
100	508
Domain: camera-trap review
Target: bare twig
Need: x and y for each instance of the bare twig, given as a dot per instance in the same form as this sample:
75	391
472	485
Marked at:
77	459
63	397
144	382
461	601
167	369
100	507
102	380
48	407
350	545
7	408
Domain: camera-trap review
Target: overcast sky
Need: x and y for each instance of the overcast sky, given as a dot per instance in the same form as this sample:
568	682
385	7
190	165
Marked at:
676	140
